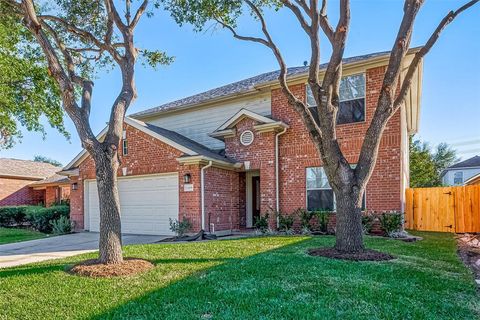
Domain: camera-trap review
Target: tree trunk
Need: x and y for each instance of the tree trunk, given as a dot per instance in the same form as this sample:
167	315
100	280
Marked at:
349	231
110	246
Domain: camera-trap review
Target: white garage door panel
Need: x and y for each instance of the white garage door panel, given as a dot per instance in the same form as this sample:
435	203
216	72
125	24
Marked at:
146	204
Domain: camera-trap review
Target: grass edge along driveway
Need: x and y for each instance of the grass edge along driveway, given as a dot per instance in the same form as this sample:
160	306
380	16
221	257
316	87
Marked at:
254	278
12	235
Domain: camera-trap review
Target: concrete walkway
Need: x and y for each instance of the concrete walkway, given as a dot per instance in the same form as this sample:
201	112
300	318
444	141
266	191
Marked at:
20	253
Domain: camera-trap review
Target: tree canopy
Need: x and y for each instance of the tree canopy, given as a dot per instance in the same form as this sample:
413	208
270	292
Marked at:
45	159
27	92
426	165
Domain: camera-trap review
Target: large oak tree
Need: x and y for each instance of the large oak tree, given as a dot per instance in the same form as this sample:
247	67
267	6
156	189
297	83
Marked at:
76	39
348	183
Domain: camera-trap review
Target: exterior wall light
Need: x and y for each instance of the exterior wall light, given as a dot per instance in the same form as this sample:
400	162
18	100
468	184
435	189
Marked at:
75	186
187	178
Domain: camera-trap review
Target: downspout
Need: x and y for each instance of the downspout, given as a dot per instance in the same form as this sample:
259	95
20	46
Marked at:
202	187
277	192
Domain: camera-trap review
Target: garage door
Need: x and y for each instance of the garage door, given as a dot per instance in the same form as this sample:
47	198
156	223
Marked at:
146	204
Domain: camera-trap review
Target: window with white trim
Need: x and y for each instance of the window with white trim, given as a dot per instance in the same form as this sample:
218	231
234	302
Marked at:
125	147
320	195
458	177
352	99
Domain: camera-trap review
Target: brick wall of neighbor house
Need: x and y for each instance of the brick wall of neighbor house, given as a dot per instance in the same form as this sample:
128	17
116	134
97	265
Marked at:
147	155
297	152
14	192
261	154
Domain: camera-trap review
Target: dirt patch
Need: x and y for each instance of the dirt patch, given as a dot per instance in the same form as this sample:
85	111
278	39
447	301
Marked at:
469	251
92	268
365	255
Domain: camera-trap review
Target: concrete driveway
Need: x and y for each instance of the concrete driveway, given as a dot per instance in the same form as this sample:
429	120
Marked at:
16	254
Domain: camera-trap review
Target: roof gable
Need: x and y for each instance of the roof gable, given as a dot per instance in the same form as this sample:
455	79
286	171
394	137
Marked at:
171	138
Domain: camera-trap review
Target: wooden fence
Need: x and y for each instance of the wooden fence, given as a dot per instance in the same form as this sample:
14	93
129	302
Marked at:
444	209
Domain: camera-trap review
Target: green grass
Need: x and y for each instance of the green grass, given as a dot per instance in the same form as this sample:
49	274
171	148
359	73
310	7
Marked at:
255	278
9	235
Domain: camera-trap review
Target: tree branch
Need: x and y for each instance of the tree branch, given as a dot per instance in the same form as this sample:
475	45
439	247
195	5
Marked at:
138	14
407	82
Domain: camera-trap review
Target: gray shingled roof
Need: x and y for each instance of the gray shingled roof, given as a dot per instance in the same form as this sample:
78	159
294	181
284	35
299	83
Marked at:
188	143
54	179
242	86
469	163
26	169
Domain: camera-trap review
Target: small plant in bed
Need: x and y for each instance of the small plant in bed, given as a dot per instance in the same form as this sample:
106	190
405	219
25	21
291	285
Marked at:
180	228
285	222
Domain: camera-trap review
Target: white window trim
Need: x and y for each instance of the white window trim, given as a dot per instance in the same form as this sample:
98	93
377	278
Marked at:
124	147
334	197
365	98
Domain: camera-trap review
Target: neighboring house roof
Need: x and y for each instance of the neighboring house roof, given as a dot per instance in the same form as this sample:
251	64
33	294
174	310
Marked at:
56	179
174	139
243	86
469	163
26	169
473	180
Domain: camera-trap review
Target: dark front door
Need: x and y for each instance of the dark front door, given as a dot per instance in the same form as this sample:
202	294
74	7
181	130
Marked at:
255	198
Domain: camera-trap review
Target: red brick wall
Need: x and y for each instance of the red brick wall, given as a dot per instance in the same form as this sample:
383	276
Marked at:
146	155
51	196
222	199
261	154
297	152
15	192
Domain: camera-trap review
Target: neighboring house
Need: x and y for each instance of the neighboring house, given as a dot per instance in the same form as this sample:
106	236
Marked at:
223	157
475	180
459	173
24	182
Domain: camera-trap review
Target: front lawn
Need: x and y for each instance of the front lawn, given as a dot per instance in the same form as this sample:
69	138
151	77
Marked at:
256	278
9	235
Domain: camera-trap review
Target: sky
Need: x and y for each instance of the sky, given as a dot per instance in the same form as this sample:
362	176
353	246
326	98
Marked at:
450	105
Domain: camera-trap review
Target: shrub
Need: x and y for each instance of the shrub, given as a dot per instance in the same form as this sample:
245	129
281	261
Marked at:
41	218
391	223
180	228
305	218
322	219
261	223
367	222
12	216
285	222
63	225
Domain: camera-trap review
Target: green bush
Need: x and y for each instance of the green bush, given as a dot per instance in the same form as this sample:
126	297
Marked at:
12	216
180	228
367	222
391	222
40	218
305	218
261	222
322	219
63	225
285	222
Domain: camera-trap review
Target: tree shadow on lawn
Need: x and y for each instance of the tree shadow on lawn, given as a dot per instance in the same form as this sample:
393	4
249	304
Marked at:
287	283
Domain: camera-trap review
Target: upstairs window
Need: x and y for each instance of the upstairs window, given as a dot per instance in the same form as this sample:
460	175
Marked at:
352	99
124	143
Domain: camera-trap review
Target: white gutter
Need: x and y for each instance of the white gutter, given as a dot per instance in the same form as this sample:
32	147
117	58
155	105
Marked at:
202	187
277	192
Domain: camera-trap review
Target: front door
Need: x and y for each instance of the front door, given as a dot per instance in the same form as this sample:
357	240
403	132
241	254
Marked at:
255	198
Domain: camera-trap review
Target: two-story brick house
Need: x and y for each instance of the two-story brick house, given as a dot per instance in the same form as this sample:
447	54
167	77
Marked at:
222	157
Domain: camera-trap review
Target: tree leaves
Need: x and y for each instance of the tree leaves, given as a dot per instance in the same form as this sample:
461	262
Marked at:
426	166
27	92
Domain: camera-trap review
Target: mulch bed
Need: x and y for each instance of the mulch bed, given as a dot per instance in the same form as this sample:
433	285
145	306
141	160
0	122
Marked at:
365	255
129	266
469	252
